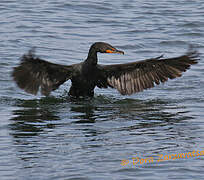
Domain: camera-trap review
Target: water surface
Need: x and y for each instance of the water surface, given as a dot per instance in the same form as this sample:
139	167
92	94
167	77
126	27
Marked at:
56	138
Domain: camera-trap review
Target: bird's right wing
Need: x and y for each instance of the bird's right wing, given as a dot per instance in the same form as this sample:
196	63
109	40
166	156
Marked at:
34	73
134	77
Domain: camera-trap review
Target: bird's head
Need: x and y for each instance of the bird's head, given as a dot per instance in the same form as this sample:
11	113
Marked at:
103	47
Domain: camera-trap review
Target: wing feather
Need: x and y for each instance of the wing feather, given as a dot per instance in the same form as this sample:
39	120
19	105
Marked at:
34	73
134	77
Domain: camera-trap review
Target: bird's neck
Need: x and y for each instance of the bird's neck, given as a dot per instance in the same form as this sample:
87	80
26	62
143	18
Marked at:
92	56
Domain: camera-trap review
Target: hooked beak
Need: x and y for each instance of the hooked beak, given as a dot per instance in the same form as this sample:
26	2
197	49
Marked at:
114	51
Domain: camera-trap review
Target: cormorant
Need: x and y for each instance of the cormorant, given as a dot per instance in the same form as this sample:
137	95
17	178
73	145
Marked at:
34	73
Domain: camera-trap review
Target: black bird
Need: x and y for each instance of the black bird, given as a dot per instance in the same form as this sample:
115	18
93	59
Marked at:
34	73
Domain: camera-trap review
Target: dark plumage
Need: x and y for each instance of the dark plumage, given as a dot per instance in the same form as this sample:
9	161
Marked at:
34	73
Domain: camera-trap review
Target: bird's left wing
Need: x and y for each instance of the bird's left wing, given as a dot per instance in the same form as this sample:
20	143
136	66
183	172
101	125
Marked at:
134	77
34	73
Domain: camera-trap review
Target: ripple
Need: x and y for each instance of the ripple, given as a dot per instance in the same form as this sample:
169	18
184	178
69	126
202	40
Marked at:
171	43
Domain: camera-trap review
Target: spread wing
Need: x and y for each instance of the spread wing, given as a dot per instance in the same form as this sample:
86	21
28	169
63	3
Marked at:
135	77
34	73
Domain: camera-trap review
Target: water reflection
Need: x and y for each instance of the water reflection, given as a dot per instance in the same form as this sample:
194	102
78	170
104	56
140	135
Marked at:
33	120
155	110
83	110
33	116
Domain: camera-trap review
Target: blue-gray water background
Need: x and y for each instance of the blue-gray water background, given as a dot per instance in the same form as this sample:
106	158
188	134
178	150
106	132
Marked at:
52	138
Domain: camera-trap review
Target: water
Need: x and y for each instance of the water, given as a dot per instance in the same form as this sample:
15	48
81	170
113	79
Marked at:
55	138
